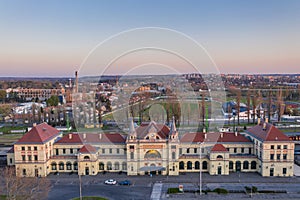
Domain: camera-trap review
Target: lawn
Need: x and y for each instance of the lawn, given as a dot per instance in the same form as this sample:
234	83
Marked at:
90	198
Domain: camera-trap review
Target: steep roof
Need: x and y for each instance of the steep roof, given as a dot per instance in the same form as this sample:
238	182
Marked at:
145	128
219	148
71	138
213	137
267	132
87	148
39	134
101	137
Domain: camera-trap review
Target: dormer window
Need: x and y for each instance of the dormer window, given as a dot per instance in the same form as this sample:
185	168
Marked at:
147	138
157	137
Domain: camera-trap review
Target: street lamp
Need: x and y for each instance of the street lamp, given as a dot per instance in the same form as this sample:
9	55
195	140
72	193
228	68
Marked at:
79	176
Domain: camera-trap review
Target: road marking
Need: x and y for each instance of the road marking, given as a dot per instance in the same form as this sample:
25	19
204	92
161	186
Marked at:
156	191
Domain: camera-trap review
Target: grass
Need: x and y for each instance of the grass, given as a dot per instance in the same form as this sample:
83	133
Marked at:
90	198
2	197
173	190
6	129
9	139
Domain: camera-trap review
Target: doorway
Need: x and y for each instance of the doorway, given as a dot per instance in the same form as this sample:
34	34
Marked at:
219	170
87	171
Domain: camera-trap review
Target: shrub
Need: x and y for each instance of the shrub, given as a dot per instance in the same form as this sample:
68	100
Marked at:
220	191
173	190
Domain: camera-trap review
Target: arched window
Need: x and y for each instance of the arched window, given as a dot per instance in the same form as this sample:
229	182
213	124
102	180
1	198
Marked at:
204	165
253	165
53	166
219	157
246	165
238	166
61	166
181	165
75	165
124	166
109	166
152	154
69	166
101	166
86	157
197	165
117	166
189	165
230	165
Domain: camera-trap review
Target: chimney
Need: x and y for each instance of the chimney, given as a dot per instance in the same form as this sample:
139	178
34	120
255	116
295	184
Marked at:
84	136
235	133
70	136
265	126
204	130
34	124
205	135
267	120
100	136
258	121
221	135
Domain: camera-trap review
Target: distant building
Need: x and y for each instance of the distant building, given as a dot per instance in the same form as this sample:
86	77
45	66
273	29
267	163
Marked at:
153	148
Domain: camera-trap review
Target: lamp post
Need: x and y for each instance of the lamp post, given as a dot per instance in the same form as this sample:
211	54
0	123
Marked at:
79	176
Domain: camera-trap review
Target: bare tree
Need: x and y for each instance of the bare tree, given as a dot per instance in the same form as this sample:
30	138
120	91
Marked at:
248	106
238	104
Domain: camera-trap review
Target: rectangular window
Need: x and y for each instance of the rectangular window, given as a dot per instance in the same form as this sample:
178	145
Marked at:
188	150
272	146
278	156
23	148
10	160
278	146
71	151
235	150
110	151
283	170
131	147
103	151
173	147
35	148
35	157
242	150
131	155
29	157
29	148
173	155
284	156
56	152
180	151
64	151
202	150
250	152
271	156
118	151
195	150
284	146
125	150
23	158
24	172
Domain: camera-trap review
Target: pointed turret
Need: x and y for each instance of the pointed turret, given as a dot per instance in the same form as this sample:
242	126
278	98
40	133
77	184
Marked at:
132	132
173	131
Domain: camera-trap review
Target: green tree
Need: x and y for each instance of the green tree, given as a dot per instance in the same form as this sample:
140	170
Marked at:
52	101
2	95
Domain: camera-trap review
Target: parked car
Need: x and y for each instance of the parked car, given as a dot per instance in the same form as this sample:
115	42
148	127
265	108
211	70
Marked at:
126	182
110	182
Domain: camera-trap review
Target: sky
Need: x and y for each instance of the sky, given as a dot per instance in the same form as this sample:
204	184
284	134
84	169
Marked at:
54	38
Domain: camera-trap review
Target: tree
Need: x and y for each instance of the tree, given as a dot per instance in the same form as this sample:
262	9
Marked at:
52	101
2	95
27	188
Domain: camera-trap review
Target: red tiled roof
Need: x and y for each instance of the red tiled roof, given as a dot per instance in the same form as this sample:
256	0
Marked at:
102	138
87	149
270	133
143	130
213	137
219	147
71	138
39	134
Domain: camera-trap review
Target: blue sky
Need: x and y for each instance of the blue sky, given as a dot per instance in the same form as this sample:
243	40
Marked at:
52	38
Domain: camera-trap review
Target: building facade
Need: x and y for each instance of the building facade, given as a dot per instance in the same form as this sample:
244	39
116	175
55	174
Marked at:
153	148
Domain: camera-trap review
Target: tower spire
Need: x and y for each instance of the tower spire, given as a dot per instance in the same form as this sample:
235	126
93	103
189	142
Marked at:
132	132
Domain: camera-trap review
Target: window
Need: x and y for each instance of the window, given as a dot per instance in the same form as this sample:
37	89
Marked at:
173	147
69	166
234	150
23	157
29	148
197	165
230	165
35	148
109	166
173	155
249	150
35	157
23	148
103	151
284	146
117	166
118	151
110	151
271	156
131	155
204	165
10	160
56	151
131	147
242	150
64	151
246	165
75	166
181	165
24	172
195	150
53	166
86	158
71	151
278	157
29	157
180	151
283	170
188	150
219	157
253	165
272	146
124	166
61	166
189	165
278	146
125	150
284	156
101	166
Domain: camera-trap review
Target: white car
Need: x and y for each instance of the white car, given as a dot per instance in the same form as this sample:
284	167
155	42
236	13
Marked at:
110	182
